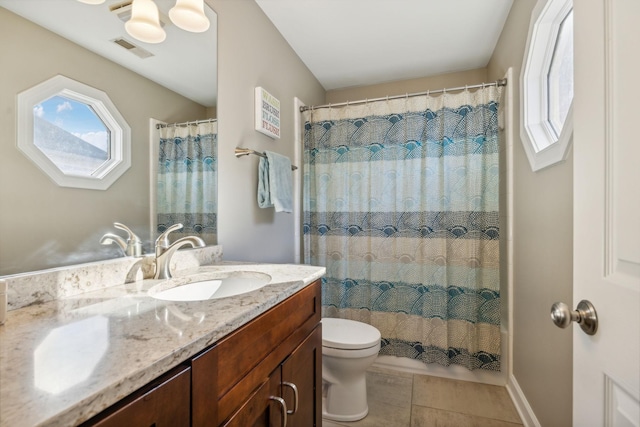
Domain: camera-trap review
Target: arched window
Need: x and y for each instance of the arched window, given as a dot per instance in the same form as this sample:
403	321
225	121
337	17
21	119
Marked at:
547	84
74	133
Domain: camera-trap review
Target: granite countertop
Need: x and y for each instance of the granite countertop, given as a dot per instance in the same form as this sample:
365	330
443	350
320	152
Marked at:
64	361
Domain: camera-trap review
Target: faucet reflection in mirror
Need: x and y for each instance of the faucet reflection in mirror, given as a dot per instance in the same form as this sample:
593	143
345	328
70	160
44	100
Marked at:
144	23
187	178
165	250
130	247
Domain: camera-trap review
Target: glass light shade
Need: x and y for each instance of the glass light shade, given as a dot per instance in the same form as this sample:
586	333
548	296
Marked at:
144	23
91	1
189	15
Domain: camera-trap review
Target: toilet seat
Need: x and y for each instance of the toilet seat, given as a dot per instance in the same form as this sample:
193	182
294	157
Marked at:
344	334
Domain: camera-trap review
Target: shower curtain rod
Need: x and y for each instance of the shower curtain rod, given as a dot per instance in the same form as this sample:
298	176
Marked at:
197	122
501	82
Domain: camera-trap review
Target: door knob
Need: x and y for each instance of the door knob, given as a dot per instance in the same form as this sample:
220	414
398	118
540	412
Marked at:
585	316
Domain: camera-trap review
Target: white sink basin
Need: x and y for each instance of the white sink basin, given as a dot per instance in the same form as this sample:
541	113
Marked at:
231	284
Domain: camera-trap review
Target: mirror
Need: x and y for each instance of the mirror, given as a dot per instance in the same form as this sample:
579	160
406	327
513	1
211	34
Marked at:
43	225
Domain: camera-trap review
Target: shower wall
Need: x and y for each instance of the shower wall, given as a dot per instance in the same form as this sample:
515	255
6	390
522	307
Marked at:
408	86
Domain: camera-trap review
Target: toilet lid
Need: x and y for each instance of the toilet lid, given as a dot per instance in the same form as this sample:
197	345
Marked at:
348	334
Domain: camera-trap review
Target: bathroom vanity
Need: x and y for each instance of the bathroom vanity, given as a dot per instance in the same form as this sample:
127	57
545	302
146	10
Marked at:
244	360
240	380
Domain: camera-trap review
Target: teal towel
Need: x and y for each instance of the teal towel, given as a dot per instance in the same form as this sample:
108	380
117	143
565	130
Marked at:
275	182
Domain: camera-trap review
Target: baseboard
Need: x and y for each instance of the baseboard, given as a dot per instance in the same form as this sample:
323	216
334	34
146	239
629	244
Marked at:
522	405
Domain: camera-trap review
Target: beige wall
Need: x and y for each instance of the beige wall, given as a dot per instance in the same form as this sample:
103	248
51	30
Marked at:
542	353
41	224
408	86
251	52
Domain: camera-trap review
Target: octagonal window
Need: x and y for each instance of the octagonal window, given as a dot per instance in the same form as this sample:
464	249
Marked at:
74	133
560	78
71	135
547	84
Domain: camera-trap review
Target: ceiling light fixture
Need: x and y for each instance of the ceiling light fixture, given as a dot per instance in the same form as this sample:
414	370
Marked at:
189	15
144	24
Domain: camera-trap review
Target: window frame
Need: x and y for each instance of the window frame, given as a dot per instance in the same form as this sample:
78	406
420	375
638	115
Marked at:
542	146
119	159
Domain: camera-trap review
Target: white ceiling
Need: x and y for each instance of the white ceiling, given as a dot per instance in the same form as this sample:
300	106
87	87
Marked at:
344	43
185	62
349	43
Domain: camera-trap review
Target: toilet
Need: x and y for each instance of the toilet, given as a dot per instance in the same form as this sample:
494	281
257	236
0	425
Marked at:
348	349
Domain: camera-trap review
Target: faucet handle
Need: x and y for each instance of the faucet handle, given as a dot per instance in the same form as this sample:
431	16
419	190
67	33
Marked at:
134	244
110	238
163	238
131	234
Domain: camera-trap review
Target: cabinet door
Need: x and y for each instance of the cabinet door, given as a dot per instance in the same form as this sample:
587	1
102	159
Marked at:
225	375
304	369
165	403
261	410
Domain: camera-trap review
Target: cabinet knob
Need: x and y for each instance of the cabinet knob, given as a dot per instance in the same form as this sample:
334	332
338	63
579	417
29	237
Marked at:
295	397
283	404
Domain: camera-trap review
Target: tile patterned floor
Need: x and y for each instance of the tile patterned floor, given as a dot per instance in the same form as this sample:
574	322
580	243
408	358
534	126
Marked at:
399	399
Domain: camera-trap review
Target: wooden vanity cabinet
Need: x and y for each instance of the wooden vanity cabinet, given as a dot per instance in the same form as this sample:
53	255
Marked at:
300	370
162	403
304	369
238	381
260	408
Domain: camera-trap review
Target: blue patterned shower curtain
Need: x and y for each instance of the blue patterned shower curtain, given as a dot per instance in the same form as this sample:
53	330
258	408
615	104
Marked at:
187	180
401	206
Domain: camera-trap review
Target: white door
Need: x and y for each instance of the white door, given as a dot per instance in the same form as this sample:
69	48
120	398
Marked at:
606	144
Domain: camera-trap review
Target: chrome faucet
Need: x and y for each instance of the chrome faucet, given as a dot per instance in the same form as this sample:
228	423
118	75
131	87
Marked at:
165	250
131	247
